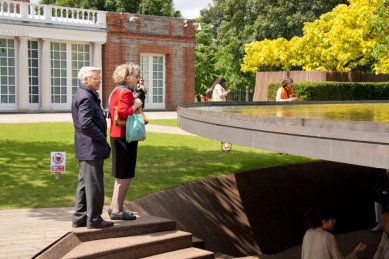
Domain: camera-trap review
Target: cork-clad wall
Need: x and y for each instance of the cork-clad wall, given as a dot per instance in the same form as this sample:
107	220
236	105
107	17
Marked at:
130	35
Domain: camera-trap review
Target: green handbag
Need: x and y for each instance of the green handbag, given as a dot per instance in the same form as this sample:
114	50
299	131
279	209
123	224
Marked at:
135	128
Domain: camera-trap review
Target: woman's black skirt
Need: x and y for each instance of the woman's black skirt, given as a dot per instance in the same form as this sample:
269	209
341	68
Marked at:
123	158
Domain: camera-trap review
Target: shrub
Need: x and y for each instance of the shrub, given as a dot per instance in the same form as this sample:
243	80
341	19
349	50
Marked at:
335	91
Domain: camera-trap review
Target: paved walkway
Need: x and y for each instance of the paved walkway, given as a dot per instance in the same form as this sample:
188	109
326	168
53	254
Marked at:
67	117
25	232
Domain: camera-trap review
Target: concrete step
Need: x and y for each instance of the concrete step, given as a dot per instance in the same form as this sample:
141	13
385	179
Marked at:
187	253
142	225
198	243
133	246
224	256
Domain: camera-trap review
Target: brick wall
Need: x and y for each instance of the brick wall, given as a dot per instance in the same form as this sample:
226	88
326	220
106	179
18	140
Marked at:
112	56
129	37
189	79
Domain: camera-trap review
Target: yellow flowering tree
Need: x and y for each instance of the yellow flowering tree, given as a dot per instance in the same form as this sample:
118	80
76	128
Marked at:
344	39
380	24
268	55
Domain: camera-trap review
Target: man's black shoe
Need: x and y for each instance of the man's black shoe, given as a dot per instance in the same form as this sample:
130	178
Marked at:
101	224
78	225
122	216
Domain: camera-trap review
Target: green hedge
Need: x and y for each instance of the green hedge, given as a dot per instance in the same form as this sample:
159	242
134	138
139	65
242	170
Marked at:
335	91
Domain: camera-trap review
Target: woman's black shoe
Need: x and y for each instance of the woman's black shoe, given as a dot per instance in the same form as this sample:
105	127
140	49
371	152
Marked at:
122	216
110	212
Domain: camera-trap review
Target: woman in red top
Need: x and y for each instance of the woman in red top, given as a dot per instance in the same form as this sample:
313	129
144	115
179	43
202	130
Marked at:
123	153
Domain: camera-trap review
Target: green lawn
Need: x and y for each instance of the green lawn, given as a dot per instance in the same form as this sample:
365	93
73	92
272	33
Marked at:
167	122
164	161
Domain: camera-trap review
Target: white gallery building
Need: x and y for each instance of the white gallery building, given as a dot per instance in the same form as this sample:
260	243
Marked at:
41	50
42	47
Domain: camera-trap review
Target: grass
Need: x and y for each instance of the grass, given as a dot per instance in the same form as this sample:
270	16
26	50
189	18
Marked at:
167	122
164	161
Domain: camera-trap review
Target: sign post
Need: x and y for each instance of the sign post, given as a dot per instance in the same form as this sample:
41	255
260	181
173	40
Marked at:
57	163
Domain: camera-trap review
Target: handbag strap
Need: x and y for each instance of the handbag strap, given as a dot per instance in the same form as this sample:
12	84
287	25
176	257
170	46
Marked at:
120	97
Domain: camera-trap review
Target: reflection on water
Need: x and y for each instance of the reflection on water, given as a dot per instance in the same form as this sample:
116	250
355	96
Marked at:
371	112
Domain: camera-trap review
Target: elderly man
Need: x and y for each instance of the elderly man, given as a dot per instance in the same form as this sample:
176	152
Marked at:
383	247
91	149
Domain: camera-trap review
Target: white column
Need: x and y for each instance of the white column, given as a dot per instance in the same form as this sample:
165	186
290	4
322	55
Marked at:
102	18
97	62
47	13
45	75
23	85
24	10
69	94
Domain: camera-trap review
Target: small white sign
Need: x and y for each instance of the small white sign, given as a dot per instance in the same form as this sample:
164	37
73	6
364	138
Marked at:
57	161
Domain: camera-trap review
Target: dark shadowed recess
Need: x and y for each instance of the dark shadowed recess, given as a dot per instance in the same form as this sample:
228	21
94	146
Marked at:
262	211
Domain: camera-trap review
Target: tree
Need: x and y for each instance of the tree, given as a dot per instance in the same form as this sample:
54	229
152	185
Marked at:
269	55
237	22
230	42
213	16
205	59
380	25
341	40
286	18
158	7
122	6
152	7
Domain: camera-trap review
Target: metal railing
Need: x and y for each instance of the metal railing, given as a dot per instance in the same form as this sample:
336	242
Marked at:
241	95
52	14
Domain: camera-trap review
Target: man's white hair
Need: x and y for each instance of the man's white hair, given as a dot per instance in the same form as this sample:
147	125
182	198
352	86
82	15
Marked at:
85	72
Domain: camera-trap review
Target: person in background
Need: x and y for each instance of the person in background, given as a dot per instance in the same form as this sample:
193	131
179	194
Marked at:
219	90
204	98
318	242
124	154
383	247
381	199
198	98
141	91
219	94
285	92
91	149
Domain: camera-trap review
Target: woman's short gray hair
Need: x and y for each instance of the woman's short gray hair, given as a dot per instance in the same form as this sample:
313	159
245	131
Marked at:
122	72
86	71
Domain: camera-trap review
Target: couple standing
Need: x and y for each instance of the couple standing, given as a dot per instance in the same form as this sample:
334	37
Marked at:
91	147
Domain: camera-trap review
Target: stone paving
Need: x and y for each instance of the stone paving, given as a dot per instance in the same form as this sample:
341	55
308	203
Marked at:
24	232
67	117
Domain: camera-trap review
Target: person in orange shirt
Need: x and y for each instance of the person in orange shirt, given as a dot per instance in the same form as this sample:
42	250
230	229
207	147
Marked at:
285	92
